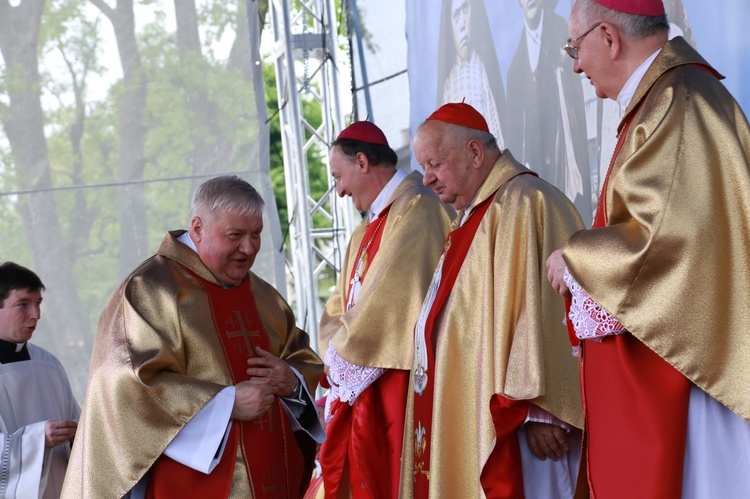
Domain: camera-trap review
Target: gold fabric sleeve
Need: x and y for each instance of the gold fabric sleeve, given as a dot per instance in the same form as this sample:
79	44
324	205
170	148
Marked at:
379	330
673	264
500	330
156	362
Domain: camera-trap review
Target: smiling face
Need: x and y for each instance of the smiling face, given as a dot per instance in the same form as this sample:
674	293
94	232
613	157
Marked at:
227	243
447	168
19	315
350	179
461	21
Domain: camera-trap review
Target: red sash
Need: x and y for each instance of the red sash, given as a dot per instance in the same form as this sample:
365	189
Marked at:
273	460
362	452
456	247
635	409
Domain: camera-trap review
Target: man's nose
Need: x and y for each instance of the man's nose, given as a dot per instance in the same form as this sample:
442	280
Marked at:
36	312
428	178
248	246
577	67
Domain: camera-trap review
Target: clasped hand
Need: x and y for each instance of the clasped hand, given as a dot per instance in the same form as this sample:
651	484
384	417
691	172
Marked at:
270	377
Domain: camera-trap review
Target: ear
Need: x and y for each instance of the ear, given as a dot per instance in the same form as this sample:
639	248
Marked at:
612	40
196	229
362	162
476	151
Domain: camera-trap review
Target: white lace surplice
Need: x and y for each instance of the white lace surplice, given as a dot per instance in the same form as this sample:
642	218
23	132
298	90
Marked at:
589	319
347	380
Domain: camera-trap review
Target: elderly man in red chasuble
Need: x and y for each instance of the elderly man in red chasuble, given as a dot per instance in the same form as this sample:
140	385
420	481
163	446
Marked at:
200	383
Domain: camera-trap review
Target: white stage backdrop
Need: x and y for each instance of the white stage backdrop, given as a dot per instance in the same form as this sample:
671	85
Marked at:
505	58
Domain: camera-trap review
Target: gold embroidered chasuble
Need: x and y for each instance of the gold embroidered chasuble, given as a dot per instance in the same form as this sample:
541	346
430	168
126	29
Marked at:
157	360
378	331
673	263
499	331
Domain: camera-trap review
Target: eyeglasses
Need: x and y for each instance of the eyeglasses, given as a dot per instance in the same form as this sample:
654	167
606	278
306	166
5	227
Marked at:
573	50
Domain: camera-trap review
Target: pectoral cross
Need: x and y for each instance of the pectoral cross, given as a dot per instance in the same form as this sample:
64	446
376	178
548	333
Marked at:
238	326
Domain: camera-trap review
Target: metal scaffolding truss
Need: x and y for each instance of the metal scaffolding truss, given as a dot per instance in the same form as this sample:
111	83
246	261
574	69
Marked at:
305	40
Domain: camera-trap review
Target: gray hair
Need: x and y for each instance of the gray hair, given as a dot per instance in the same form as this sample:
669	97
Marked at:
634	26
226	193
458	136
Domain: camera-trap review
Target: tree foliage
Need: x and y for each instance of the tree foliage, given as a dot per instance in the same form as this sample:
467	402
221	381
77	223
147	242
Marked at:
111	116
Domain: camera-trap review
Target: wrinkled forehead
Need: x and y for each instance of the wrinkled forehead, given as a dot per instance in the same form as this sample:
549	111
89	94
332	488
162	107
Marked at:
337	159
428	140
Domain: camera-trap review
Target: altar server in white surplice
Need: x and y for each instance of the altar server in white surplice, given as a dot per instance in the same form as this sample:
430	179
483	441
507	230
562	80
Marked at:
38	414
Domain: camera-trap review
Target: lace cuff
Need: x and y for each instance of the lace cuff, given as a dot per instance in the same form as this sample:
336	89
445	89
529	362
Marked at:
347	380
589	319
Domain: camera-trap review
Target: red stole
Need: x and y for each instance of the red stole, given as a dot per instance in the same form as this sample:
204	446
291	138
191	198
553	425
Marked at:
362	453
272	457
499	475
368	248
635	409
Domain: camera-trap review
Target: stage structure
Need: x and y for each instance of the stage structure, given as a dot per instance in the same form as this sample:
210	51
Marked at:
305	41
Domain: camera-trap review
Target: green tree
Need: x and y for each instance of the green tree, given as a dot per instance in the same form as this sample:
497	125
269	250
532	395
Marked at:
315	156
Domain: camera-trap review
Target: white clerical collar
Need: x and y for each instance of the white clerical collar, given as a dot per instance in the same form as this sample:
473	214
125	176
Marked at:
534	42
467	211
19	346
381	202
187	241
627	92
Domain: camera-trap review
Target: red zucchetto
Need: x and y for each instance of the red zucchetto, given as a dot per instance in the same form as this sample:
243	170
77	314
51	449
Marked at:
364	131
460	113
640	7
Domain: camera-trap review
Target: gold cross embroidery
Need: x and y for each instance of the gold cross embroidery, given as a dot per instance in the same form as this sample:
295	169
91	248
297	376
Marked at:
237	326
271	475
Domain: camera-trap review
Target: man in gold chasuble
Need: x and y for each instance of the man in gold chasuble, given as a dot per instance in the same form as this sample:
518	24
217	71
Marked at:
200	384
368	322
494	388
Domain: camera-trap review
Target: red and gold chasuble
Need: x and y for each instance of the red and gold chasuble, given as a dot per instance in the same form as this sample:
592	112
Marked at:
635	408
506	478
272	458
361	455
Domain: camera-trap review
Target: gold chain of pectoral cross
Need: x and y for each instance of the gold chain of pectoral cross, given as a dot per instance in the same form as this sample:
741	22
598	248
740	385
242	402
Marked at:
363	254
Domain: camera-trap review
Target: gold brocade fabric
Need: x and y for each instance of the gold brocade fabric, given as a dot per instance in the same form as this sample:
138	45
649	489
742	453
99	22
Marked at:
673	264
379	330
156	362
500	330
